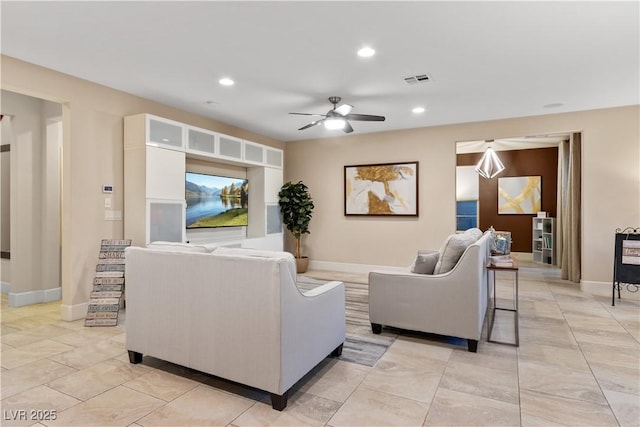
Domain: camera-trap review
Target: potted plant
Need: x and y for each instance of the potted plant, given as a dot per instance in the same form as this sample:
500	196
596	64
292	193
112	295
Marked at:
296	208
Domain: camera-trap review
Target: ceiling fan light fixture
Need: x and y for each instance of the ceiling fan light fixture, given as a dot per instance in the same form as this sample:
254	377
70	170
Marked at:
489	165
334	123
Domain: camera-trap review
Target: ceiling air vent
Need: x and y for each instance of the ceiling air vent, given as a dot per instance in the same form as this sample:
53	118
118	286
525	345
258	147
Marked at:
420	78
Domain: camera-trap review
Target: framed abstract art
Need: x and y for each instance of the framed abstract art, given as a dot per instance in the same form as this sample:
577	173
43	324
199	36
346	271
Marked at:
383	189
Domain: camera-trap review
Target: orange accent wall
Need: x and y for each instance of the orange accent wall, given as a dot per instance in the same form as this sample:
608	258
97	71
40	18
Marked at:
532	162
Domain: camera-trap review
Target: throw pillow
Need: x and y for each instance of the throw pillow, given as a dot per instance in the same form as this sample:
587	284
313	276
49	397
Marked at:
451	251
475	232
425	262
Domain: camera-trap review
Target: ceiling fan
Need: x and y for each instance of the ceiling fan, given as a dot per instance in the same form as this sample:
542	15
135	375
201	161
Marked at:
337	117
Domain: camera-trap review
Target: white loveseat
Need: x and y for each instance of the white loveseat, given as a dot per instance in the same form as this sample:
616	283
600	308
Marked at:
232	313
453	303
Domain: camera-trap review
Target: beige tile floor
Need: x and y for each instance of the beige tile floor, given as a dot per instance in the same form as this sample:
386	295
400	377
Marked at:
578	364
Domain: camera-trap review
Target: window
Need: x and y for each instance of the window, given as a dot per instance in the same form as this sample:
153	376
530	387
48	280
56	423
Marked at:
466	214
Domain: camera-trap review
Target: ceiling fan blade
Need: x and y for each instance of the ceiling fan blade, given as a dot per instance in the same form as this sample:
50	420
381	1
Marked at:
364	117
309	114
344	109
347	128
312	124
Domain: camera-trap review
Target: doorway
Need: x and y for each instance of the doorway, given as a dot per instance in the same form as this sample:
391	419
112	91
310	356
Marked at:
31	199
539	166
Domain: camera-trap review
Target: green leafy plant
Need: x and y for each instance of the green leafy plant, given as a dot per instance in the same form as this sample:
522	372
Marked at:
296	209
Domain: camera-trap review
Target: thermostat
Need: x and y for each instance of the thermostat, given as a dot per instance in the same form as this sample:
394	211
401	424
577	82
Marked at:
107	188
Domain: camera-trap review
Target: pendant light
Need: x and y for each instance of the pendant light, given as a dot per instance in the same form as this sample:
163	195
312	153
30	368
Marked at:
489	165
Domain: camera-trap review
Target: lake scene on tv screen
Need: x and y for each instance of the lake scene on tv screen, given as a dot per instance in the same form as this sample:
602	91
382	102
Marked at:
216	201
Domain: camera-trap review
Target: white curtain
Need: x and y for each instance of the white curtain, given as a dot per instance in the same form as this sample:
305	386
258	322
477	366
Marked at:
568	241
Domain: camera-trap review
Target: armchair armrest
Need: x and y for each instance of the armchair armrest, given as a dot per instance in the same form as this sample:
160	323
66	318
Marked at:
321	289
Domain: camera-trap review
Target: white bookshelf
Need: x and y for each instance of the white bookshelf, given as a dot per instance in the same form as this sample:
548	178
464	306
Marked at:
544	240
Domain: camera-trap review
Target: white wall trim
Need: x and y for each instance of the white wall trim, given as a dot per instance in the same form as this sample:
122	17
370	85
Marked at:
605	289
20	299
69	313
5	288
348	267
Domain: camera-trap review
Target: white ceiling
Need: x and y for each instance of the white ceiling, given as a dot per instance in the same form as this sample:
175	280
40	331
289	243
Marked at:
487	60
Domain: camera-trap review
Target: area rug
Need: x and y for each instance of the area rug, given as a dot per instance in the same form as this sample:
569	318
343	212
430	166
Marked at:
361	345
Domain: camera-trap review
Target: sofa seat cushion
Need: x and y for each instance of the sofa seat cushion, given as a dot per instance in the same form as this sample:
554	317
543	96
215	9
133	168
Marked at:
425	262
452	250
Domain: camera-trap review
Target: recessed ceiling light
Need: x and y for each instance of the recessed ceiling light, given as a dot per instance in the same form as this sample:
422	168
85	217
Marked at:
553	105
418	110
226	81
366	52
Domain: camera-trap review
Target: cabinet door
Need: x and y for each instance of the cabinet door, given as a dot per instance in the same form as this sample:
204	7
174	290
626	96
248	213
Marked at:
201	141
253	153
273	180
165	174
165	220
274	157
165	133
230	147
274	221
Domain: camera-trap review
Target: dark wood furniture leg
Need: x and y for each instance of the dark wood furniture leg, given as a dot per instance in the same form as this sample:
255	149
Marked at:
472	345
135	357
376	328
279	402
337	352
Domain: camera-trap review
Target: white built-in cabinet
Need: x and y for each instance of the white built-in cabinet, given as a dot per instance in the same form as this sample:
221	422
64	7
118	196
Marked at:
156	151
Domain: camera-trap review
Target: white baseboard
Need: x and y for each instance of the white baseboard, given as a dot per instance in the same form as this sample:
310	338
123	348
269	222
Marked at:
606	289
5	288
20	299
347	267
69	313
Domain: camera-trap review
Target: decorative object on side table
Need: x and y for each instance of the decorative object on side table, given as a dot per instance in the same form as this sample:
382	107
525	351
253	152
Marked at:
296	209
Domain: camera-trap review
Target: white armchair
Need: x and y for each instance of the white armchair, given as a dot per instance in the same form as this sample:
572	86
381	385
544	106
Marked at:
233	313
453	303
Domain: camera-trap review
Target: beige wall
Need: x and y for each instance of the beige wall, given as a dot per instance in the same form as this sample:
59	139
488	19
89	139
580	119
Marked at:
611	185
92	156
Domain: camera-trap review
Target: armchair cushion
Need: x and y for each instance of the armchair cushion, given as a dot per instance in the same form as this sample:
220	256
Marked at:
425	262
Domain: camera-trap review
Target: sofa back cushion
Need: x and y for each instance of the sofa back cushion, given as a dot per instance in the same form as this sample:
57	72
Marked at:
452	250
181	247
287	257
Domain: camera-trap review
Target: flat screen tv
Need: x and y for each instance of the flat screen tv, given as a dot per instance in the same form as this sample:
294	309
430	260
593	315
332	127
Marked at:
216	201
